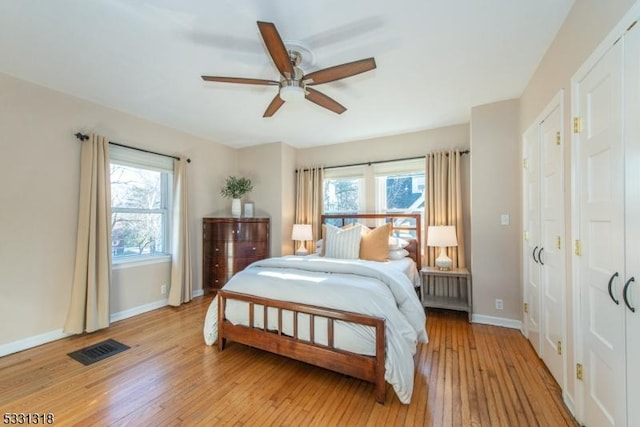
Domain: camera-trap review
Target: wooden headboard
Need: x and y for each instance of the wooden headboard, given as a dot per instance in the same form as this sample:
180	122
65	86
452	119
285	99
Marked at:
401	224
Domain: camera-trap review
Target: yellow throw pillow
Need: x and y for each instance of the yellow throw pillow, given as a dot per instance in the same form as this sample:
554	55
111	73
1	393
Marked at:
374	245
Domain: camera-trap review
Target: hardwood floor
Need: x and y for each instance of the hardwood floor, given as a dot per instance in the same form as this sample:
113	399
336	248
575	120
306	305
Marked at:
468	375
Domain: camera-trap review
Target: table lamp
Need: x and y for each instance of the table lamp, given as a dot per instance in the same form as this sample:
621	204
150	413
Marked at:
302	233
442	236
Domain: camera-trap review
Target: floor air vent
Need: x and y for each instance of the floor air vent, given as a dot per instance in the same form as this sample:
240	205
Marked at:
97	352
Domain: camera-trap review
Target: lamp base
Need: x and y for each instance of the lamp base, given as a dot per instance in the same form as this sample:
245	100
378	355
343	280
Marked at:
443	262
301	251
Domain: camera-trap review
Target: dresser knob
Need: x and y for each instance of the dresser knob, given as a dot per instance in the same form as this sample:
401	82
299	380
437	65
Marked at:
254	249
217	250
217	265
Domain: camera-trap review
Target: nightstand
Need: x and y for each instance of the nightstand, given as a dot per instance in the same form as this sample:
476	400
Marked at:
461	302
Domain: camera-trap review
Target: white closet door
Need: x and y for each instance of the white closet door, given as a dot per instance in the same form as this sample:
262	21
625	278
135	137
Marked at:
531	211
551	252
601	210
632	220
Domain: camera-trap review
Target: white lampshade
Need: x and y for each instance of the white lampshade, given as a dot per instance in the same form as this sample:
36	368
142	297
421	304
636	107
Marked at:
442	236
291	93
302	233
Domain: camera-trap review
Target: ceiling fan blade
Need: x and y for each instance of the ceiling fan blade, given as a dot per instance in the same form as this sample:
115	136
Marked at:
239	80
276	48
275	104
338	72
324	101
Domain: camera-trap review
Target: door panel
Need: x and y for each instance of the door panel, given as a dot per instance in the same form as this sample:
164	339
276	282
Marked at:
552	237
531	221
632	224
601	208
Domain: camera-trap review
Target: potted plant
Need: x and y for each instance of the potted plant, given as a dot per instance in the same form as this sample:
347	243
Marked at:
234	188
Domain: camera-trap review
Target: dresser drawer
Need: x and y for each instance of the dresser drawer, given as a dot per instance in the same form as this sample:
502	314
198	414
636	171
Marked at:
251	250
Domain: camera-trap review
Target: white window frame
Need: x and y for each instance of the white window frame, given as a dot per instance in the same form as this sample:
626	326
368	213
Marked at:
348	172
397	168
157	163
372	194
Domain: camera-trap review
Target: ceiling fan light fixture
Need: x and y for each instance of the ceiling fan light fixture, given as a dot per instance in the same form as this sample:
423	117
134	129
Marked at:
291	92
294	85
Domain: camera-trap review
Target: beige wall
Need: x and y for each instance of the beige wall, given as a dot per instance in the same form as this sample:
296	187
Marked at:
385	148
495	190
588	23
271	168
39	171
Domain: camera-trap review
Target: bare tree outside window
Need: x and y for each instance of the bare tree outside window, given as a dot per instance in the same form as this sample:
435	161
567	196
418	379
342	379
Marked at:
139	210
341	195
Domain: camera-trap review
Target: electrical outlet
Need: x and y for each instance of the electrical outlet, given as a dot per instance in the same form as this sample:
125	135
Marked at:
499	305
163	289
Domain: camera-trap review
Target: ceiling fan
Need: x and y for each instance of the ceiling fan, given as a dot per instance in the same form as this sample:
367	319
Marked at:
293	82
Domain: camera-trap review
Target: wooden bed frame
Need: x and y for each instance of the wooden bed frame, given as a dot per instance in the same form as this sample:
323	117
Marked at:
367	368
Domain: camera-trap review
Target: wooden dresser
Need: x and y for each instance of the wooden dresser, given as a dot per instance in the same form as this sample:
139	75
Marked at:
229	244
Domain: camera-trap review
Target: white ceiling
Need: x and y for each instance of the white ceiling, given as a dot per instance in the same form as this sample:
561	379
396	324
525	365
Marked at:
435	60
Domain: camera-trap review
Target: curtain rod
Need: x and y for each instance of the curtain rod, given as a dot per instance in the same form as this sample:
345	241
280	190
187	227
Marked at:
378	161
83	137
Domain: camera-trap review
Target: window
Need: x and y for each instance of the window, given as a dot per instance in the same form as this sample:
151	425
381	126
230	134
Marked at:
344	190
397	187
400	186
140	204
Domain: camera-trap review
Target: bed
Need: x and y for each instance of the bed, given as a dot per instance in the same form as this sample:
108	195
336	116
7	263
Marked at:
358	317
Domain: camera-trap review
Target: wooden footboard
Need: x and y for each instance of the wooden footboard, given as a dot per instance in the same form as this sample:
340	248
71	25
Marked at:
367	368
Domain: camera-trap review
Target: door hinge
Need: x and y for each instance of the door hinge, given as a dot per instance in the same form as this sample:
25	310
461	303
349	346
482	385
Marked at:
526	307
577	124
558	138
578	248
579	371
524	163
558	242
525	235
560	348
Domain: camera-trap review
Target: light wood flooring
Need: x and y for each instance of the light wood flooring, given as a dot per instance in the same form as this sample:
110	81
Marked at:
468	375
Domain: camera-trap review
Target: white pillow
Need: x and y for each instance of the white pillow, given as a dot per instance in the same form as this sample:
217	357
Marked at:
398	254
396	243
343	244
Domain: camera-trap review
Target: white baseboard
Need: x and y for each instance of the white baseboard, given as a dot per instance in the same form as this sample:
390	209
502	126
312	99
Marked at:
571	406
497	321
30	342
121	315
36	340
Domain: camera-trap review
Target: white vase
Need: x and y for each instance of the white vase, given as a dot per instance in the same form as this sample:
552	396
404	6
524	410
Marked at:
236	207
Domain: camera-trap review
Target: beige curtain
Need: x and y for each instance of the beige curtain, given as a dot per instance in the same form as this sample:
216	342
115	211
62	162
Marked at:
180	290
89	307
444	207
309	201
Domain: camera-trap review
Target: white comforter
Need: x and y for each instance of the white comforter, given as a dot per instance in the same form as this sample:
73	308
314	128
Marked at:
368	287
